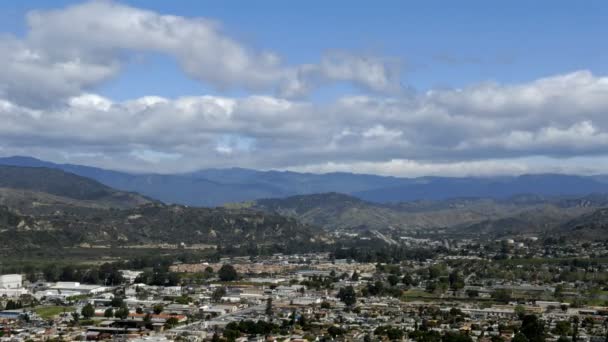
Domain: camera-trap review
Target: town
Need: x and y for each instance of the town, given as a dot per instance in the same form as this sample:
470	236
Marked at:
508	290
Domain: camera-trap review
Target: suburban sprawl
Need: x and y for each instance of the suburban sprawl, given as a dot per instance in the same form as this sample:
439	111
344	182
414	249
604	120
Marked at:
520	290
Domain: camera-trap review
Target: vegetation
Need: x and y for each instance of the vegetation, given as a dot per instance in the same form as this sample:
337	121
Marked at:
227	273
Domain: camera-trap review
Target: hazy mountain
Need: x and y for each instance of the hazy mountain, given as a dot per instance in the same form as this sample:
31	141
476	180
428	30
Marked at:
590	226
338	211
434	188
218	186
213	187
480	217
26	187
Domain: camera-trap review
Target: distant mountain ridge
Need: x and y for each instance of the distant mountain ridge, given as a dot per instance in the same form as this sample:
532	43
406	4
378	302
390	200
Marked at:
477	217
22	186
214	187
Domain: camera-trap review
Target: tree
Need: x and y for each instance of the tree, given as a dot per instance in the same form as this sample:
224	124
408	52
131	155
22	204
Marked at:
575	321
227	273
269	306
51	273
393	279
456	281
139	310
519	337
471	293
501	295
218	293
117	302
390	332
533	328
456	337
335	331
158	308
407	280
562	328
520	311
355	276
109	313
75	316
347	295
88	311
171	322
122	312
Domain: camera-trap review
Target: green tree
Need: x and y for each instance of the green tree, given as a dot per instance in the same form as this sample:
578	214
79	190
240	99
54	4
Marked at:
393	279
562	328
520	311
122	312
533	328
269	306
335	331
575	322
519	337
117	302
109	313
88	311
158	308
501	295
227	273
347	295
171	322
456	337
75	316
218	293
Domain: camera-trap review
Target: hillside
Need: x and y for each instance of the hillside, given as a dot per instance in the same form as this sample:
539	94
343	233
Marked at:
26	187
338	211
590	226
45	209
475	217
155	224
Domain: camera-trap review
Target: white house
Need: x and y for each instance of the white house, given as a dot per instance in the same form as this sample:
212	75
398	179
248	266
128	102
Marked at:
11	281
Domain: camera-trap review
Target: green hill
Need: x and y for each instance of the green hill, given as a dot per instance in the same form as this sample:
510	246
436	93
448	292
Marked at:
25	187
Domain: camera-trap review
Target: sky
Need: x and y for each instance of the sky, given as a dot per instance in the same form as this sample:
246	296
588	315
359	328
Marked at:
472	88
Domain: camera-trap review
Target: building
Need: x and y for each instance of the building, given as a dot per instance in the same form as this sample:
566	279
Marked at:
11	285
11	281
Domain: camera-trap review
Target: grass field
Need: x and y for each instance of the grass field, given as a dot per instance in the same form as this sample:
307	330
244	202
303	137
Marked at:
48	312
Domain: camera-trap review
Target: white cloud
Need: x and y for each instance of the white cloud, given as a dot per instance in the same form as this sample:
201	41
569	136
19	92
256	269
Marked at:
48	104
70	50
440	132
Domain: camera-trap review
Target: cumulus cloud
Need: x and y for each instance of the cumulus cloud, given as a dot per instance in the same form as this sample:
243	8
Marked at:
369	72
70	50
49	109
488	128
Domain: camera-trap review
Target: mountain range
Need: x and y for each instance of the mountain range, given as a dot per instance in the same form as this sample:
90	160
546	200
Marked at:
214	187
475	217
43	209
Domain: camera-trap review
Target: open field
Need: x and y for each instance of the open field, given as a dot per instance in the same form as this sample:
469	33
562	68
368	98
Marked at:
48	312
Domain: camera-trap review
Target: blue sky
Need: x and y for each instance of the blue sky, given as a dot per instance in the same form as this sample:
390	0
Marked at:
394	87
443	44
